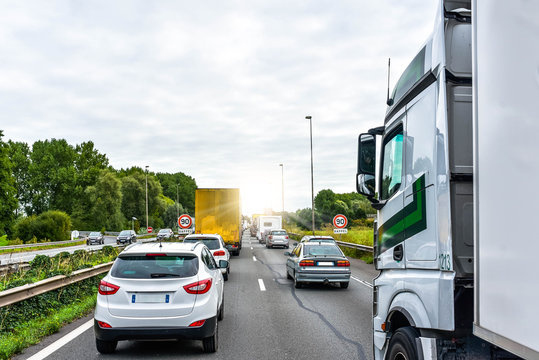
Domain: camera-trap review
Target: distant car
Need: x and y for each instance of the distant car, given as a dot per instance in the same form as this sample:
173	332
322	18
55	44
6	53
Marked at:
277	238
264	236
318	238
317	262
126	237
164	290
95	237
165	234
216	245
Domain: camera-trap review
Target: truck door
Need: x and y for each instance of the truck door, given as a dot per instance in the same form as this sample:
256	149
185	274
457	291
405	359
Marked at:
390	247
420	141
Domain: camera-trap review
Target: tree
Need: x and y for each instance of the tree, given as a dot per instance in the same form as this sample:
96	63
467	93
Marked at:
52	176
8	200
50	225
106	199
180	185
19	155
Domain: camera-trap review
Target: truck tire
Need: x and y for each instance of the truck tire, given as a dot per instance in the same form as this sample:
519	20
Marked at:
402	345
344	284
210	343
105	347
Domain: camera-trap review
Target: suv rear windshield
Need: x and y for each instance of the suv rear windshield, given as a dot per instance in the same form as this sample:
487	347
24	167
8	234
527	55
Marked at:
315	250
212	244
278	233
149	267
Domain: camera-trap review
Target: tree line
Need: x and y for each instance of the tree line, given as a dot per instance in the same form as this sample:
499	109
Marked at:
40	182
327	204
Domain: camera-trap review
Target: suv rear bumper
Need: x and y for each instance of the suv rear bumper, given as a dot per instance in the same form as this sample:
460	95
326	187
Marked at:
116	334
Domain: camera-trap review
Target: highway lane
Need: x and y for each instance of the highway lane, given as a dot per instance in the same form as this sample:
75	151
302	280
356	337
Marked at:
27	256
315	322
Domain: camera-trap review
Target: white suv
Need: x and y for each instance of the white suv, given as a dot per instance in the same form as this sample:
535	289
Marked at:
160	291
217	247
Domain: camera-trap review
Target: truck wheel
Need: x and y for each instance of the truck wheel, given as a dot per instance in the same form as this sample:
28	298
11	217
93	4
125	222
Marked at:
210	343
236	253
403	344
105	347
344	284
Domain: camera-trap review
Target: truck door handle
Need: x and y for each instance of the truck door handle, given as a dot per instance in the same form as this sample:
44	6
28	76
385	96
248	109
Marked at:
398	253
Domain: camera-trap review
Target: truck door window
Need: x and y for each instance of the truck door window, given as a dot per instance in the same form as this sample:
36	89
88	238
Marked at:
392	165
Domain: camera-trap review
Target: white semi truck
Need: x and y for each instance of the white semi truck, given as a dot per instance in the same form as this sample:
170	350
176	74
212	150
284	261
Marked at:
453	172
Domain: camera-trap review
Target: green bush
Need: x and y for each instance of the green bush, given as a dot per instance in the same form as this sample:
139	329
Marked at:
53	225
3	240
41	261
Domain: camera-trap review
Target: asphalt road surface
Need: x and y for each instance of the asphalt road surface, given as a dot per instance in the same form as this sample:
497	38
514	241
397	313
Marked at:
265	318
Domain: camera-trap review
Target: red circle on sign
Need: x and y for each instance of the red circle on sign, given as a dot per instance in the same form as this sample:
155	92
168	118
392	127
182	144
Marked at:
150	229
340	221
185	221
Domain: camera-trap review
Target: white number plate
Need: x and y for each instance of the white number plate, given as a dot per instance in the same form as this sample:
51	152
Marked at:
150	298
325	263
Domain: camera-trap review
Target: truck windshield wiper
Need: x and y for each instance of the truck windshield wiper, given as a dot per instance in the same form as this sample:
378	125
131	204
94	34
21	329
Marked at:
155	275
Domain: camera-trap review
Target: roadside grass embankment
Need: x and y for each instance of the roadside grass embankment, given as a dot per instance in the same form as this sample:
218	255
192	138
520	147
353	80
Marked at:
25	323
361	235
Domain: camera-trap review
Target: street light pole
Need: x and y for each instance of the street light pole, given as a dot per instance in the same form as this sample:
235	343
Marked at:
133	223
282	185
147	197
312	181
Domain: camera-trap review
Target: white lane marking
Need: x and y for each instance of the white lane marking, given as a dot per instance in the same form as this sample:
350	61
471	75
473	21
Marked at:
62	341
254	258
251	248
367	284
261	284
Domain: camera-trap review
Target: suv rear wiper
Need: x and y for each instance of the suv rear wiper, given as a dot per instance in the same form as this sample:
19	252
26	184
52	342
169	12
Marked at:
155	275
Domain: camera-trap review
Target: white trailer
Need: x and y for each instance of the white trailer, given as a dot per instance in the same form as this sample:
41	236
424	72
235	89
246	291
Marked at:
268	223
457	278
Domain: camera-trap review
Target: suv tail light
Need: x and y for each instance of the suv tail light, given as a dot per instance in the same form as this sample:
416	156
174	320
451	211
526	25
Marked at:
343	263
106	288
199	287
306	263
286	237
219	253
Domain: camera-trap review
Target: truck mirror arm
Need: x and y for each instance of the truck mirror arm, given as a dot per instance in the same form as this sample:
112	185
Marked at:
377	204
377	130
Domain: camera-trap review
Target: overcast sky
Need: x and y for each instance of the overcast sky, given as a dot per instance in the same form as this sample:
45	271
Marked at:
216	89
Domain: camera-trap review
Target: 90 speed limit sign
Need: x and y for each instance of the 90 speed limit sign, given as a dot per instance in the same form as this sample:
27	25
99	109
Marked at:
340	221
185	221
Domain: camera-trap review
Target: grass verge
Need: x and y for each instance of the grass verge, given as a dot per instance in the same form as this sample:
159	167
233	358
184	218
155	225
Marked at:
31	332
45	247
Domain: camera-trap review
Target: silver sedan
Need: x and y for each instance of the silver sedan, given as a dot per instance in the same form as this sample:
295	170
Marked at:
317	262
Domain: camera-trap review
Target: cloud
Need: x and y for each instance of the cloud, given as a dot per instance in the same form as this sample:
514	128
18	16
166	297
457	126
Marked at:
218	90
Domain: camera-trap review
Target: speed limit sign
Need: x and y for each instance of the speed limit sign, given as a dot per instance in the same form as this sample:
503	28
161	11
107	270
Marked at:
340	221
185	221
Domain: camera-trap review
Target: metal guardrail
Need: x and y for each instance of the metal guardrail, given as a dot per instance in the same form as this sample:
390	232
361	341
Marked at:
355	246
349	245
28	291
11	247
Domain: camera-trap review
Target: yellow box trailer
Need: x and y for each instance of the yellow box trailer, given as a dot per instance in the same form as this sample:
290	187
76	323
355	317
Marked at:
218	211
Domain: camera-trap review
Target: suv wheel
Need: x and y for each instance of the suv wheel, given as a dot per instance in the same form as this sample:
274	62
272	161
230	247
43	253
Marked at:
105	347
210	343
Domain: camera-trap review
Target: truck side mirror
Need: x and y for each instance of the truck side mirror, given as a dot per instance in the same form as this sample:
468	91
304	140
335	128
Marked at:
366	162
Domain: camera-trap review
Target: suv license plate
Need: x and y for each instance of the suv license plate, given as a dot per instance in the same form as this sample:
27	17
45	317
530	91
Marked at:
150	298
